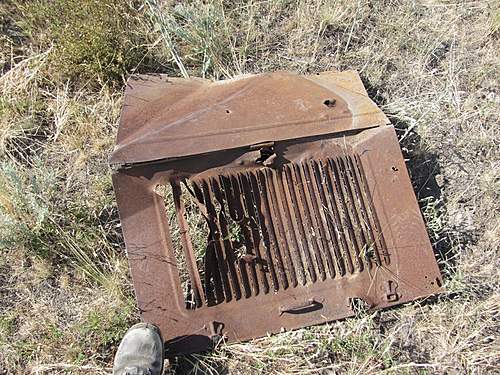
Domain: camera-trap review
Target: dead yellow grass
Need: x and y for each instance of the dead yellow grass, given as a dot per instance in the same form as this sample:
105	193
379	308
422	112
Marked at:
65	295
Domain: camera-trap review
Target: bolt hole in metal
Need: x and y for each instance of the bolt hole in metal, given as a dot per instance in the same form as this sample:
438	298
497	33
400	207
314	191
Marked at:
330	103
436	281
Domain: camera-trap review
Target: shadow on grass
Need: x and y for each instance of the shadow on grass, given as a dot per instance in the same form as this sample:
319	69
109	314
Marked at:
196	364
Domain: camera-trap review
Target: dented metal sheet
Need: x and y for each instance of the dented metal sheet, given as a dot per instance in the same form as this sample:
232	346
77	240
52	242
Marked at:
170	117
269	202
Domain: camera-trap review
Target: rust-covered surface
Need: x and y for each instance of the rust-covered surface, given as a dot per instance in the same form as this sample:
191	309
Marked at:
169	117
304	193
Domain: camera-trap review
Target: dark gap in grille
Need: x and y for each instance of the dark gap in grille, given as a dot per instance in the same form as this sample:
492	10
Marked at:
252	223
276	256
273	229
284	245
353	229
216	274
327	212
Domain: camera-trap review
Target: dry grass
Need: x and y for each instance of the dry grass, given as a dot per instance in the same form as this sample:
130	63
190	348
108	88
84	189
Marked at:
65	295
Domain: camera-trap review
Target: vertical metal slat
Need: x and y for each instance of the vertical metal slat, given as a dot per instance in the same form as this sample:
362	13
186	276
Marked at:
301	220
253	224
187	245
275	246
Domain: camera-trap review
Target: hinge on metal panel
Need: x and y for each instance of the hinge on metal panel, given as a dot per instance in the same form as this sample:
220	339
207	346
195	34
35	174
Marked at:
260	146
266	152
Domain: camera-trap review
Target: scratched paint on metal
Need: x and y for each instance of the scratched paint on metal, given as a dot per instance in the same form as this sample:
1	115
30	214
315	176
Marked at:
304	193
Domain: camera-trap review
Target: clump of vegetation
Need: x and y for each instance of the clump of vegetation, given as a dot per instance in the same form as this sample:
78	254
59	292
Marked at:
23	211
199	37
92	40
101	330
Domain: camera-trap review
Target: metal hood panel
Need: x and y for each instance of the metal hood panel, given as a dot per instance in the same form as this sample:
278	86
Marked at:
330	227
313	222
167	117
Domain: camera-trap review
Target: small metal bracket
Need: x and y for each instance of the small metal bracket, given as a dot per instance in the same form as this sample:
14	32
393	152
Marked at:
216	334
267	154
391	293
216	330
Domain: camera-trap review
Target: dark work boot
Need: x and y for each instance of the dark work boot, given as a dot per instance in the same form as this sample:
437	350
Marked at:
140	352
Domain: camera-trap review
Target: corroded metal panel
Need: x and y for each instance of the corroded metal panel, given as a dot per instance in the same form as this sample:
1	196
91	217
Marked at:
170	117
301	220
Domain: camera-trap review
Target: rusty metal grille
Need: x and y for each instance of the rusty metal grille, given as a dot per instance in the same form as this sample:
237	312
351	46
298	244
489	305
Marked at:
270	230
264	203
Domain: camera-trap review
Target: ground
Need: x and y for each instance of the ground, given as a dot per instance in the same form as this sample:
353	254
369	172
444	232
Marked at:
65	292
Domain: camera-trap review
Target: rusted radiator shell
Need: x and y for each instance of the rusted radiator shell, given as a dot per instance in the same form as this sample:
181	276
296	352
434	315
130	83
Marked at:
340	130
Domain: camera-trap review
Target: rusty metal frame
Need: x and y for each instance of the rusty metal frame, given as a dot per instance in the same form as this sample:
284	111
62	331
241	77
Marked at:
350	183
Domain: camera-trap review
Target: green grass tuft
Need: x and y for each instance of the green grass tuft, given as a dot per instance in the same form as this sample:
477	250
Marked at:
94	41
